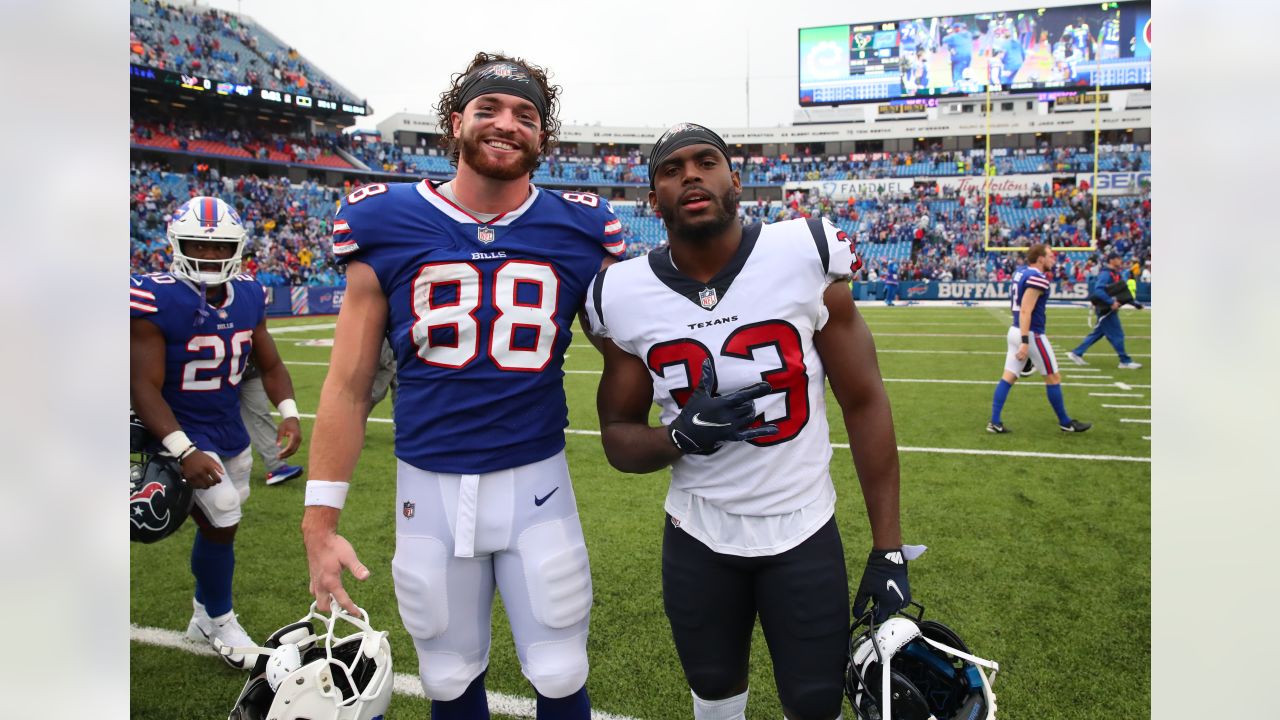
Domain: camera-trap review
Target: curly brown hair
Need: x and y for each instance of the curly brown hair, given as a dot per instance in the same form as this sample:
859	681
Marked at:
450	102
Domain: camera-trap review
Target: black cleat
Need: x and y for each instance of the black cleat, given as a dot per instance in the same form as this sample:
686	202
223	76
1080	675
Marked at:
1075	426
997	428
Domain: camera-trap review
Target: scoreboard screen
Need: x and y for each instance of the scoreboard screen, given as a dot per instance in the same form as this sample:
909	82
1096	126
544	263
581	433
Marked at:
1012	51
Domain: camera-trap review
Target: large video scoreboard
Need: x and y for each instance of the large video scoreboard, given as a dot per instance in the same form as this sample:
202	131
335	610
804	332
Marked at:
1011	51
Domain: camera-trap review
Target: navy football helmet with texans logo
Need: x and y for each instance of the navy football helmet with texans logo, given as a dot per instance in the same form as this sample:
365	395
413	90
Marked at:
159	499
909	668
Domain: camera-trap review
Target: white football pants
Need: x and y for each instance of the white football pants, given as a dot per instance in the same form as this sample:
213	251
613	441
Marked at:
460	536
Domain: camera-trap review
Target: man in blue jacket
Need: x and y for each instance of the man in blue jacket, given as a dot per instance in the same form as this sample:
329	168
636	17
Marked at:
1107	306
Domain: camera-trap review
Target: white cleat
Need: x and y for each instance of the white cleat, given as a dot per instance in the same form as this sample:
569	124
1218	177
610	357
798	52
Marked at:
225	630
1130	365
1076	359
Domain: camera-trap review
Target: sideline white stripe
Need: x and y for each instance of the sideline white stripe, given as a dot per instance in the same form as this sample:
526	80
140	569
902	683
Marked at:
966	335
969	451
1136	420
300	328
402	684
1138	395
1128	407
881	351
924	380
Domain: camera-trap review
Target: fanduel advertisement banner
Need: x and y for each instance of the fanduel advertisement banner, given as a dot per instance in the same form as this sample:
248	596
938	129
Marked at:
857	189
1118	183
1000	185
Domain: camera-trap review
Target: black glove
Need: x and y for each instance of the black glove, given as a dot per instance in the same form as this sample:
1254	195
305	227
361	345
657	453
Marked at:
885	582
706	422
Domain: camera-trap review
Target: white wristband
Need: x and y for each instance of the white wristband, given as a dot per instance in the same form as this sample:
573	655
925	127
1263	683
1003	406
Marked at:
288	409
326	492
176	442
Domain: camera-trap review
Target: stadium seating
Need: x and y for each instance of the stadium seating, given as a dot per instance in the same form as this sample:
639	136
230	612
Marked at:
161	35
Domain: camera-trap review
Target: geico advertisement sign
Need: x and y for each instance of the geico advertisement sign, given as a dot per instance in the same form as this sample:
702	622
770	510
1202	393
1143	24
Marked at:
1118	183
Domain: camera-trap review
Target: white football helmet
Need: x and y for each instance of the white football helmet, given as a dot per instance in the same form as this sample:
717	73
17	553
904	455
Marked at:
301	674
205	219
915	669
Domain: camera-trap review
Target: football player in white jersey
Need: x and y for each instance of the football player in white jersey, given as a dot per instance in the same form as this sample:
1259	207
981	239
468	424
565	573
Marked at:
732	330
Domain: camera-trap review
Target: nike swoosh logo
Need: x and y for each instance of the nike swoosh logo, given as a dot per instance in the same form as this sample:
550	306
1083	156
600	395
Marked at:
894	587
697	420
539	500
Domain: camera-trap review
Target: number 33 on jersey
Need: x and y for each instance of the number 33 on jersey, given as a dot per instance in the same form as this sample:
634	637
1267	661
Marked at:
755	320
479	315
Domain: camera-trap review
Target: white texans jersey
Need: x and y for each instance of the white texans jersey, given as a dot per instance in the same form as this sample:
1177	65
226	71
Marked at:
756	320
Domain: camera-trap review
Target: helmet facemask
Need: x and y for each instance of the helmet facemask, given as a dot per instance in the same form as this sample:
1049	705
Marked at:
206	220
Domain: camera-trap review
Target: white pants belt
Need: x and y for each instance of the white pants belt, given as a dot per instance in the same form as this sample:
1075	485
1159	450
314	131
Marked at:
464	534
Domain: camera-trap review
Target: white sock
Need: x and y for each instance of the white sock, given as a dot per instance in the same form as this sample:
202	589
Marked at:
731	708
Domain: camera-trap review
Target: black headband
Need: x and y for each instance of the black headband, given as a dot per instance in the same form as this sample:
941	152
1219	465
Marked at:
503	78
682	135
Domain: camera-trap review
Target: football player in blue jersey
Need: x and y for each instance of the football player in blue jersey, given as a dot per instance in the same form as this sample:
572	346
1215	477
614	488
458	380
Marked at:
1028	294
476	283
192	330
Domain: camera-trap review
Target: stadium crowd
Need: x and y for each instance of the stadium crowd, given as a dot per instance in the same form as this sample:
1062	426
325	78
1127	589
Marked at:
184	135
219	45
287	223
610	166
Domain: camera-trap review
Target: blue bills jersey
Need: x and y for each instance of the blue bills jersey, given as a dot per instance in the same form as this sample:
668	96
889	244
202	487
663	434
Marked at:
479	315
206	349
1023	278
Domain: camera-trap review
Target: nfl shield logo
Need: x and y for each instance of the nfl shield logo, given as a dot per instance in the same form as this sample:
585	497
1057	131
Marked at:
707	297
222	314
485	234
408	509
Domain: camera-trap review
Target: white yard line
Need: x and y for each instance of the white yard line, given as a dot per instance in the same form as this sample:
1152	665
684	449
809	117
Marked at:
968	451
1136	420
281	329
1123	386
881	351
903	448
1138	395
967	335
403	683
923	380
1127	407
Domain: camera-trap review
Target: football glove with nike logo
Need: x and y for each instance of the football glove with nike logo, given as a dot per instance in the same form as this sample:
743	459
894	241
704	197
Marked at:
708	421
884	581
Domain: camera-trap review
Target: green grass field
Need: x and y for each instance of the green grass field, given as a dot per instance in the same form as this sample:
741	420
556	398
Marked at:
1042	563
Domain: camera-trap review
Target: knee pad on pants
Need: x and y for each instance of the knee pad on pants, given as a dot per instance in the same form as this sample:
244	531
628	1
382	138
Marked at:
445	676
557	572
557	668
420	578
812	700
220	503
